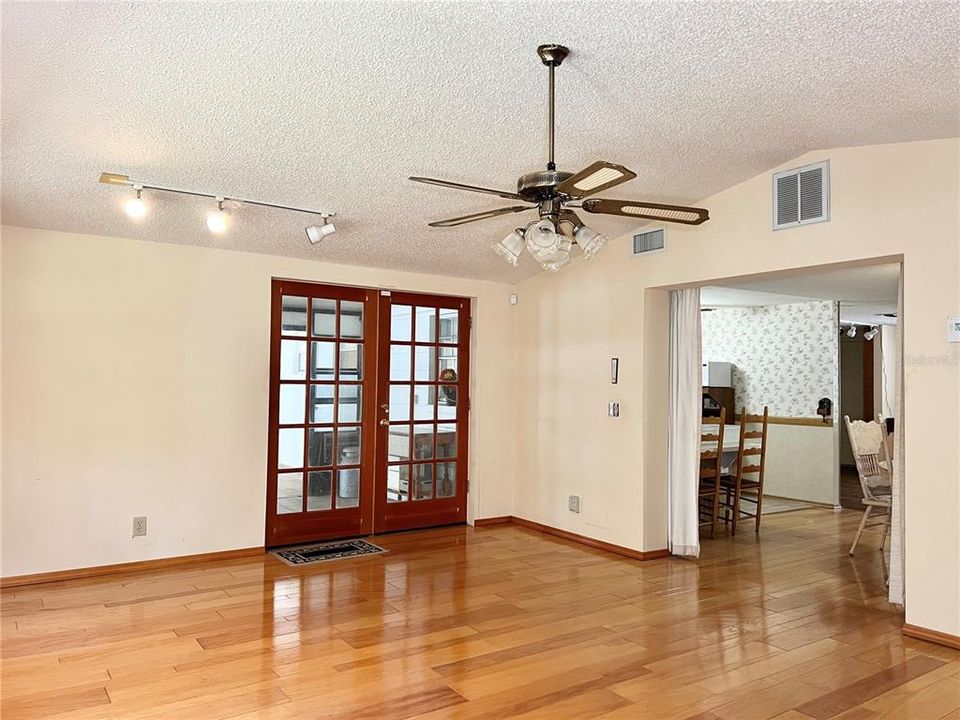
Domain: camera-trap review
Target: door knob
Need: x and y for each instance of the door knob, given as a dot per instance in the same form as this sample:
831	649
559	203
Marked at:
384	422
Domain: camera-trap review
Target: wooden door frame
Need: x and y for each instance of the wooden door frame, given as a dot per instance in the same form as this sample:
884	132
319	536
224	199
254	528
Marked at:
373	435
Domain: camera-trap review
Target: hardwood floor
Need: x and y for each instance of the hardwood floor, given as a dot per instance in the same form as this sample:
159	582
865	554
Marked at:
500	622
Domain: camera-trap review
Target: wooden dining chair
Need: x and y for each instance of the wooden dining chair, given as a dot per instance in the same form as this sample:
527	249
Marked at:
711	457
870	446
748	470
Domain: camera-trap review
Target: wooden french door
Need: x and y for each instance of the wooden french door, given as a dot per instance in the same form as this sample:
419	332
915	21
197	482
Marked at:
322	412
423	411
368	415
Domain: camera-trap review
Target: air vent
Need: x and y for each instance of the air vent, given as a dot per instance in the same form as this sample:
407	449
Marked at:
652	241
801	196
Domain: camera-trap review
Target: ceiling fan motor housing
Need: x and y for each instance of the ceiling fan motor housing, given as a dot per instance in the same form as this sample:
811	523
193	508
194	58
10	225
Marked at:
540	185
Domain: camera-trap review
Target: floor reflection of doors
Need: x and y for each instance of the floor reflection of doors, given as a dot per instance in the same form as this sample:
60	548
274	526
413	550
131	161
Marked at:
423	404
368	412
322	407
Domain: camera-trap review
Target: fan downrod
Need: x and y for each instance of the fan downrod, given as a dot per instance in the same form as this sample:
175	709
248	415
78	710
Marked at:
552	55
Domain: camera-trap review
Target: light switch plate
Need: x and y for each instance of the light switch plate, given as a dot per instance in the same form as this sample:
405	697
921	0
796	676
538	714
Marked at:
953	329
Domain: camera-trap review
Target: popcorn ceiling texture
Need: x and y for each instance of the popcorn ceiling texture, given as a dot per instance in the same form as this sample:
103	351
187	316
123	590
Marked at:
333	105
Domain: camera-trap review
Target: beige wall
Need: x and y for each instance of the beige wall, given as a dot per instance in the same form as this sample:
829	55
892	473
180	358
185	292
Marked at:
887	201
135	383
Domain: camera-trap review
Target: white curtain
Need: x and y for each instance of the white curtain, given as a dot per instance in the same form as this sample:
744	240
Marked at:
684	423
897	589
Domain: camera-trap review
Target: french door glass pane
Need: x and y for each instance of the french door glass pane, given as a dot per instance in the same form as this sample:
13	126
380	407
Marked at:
399	402
425	363
400	362
400	320
446	440
290	448
293	359
448	365
293	319
398	443
423	402
348	487
449	325
447	402
422	482
321	447
446	479
351	319
321	408
292	402
398	482
348	446
348	404
289	493
319	489
323	354
423	442
351	361
426	324
324	317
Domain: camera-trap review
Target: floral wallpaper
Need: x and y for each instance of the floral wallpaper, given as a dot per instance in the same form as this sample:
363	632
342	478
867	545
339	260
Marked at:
784	356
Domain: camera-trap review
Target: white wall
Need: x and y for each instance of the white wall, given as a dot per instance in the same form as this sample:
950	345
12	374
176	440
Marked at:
889	201
136	383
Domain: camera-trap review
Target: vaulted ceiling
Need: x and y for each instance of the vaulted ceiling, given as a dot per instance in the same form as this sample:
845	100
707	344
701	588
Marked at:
333	105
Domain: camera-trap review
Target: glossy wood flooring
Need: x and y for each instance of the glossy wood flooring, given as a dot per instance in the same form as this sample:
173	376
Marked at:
494	623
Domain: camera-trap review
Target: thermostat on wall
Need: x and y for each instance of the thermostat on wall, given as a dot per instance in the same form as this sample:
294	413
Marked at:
953	329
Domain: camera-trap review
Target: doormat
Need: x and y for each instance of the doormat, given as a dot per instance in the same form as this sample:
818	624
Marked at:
327	551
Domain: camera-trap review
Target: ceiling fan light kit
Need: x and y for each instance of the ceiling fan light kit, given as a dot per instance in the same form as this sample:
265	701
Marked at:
218	220
554	194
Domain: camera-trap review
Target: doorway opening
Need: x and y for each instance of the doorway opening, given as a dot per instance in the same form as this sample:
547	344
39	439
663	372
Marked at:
368	427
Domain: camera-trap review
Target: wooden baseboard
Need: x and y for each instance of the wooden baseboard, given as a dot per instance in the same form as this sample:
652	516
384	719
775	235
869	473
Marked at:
119	568
573	537
934	636
499	520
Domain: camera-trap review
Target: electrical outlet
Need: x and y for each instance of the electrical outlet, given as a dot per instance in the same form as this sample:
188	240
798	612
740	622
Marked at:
573	503
140	526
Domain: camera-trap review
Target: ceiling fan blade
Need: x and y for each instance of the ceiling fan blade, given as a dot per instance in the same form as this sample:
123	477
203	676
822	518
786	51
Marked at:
481	216
595	178
471	188
647	210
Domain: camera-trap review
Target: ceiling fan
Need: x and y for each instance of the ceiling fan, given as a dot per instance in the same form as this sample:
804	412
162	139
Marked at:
555	194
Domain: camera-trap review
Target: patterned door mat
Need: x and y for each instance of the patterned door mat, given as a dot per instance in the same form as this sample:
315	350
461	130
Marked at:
324	552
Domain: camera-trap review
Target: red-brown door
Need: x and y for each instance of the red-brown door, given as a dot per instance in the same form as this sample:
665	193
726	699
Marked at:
368	412
321	458
422	411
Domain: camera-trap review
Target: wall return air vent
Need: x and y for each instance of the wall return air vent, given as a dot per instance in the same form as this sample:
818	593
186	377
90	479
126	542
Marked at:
651	241
801	196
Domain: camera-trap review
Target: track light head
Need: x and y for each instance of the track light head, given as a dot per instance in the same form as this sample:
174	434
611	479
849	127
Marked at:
217	220
135	208
852	331
870	334
316	233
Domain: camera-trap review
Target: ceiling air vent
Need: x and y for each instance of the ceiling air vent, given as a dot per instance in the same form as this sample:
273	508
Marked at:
801	196
652	241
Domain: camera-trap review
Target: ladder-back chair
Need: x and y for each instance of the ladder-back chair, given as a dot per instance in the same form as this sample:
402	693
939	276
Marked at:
748	470
711	457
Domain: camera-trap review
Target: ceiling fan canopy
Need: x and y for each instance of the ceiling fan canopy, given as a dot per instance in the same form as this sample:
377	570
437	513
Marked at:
555	194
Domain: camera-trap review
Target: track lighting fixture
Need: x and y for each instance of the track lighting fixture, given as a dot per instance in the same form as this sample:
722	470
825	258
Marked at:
218	220
135	207
316	233
870	334
852	331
